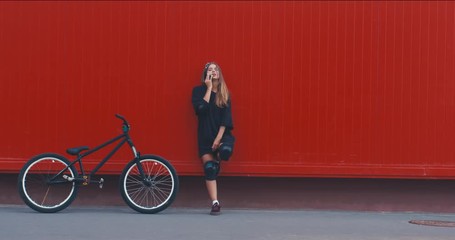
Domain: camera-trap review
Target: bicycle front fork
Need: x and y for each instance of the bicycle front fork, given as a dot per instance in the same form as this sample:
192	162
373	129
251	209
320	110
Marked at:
147	182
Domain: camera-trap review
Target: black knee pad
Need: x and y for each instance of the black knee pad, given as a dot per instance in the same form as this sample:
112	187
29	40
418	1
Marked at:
211	170
225	151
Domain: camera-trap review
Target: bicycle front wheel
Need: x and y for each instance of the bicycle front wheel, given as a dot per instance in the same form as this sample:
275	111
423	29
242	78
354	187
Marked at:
154	193
42	189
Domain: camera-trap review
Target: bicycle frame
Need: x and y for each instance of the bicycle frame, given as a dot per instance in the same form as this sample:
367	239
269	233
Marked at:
125	138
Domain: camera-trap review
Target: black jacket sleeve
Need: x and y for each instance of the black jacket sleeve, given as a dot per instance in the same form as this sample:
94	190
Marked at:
226	116
199	104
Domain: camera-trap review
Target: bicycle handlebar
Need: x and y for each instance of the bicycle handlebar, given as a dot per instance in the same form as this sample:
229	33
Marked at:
123	119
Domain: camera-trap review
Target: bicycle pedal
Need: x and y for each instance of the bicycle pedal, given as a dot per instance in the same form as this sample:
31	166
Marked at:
101	182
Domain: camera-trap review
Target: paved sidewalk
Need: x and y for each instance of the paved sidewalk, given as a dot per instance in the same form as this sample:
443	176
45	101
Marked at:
18	222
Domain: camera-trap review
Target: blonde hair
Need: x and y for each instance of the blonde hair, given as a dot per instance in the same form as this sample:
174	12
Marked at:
222	91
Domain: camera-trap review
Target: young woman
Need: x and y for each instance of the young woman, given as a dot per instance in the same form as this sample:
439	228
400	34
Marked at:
212	104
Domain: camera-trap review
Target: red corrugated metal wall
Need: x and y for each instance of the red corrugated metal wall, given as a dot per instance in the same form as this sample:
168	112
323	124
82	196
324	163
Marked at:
355	89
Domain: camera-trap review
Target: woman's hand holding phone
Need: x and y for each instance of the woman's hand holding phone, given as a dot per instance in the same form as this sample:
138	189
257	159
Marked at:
208	80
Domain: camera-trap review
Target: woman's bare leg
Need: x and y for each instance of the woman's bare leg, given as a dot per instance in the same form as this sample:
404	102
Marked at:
211	184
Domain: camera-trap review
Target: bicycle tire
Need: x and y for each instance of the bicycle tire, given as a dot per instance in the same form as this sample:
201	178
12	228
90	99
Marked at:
162	190
35	190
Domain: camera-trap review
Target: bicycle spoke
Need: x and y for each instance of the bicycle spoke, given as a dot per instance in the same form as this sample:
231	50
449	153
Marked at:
160	194
154	197
134	179
164	179
45	196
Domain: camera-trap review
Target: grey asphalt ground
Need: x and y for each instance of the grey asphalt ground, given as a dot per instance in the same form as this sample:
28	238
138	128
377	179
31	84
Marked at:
20	222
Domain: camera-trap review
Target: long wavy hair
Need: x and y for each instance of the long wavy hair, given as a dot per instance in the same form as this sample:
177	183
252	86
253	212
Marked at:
222	91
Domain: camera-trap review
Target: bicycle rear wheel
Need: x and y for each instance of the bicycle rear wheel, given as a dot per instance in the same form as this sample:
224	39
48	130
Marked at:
159	189
42	193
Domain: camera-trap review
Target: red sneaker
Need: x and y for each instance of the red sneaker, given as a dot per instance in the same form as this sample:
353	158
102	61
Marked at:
216	209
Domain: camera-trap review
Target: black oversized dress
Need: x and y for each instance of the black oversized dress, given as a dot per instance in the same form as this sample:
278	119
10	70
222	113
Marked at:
210	118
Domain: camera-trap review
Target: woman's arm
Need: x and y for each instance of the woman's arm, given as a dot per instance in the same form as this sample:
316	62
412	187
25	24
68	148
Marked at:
200	105
207	93
226	116
216	143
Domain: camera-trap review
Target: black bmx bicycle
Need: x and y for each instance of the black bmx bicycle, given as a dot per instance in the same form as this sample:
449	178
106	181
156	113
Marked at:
48	182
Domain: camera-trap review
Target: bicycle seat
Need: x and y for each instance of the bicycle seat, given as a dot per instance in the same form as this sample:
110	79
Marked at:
76	150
